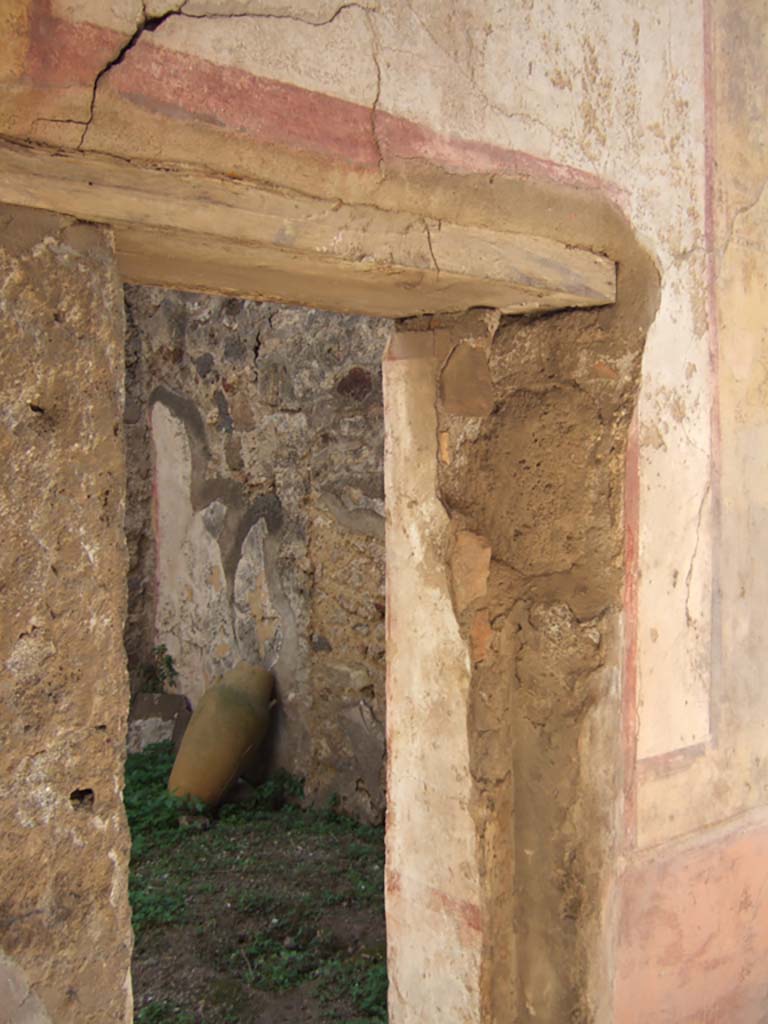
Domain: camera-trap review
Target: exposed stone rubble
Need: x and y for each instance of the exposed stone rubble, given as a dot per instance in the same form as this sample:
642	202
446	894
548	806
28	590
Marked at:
533	416
157	718
259	429
503	684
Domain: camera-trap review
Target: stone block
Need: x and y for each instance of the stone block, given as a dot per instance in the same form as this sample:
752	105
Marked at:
480	636
470	563
64	699
465	384
156	717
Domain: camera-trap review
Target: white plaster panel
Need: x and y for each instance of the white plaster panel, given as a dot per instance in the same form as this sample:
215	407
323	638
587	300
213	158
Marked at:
193	618
675	594
257	624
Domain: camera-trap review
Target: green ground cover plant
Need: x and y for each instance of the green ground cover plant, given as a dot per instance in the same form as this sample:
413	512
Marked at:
266	913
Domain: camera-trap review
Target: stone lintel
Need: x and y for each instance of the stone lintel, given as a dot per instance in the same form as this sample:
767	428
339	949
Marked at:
180	229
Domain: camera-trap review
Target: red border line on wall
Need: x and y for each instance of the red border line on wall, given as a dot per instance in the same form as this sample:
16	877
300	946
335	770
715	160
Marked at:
631	630
713	317
190	88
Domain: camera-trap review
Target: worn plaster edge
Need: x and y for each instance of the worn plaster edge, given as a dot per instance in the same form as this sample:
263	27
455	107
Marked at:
647	279
403	379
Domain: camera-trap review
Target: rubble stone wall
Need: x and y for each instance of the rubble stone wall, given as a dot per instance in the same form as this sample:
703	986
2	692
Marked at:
255	518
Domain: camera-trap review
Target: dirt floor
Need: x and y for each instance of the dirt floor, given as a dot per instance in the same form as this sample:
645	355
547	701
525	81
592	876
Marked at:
266	914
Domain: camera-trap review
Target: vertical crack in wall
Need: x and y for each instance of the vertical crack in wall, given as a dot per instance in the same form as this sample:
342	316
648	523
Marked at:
377	97
689	619
428	232
145	25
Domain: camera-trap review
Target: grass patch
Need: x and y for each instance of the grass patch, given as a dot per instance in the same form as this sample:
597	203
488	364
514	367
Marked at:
364	982
266	913
164	1013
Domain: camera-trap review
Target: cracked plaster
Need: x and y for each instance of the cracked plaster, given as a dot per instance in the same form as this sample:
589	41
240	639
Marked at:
154	15
505	521
618	92
409	67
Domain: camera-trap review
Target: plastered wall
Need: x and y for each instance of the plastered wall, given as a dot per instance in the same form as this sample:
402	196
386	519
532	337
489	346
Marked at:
607	97
549	116
692	909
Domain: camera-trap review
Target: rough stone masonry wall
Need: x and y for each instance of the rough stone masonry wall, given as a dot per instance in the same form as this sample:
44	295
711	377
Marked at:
65	932
506	457
259	428
533	418
533	422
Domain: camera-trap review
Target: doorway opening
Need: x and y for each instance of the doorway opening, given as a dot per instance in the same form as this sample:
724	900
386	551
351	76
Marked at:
477	618
255	529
